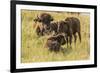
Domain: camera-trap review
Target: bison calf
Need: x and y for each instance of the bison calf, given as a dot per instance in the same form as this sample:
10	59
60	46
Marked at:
54	43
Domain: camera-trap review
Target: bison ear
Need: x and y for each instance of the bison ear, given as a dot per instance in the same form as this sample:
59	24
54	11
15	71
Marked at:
35	20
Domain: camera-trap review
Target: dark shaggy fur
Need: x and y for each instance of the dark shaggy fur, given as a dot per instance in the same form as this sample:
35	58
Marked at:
45	19
54	42
70	27
40	31
54	27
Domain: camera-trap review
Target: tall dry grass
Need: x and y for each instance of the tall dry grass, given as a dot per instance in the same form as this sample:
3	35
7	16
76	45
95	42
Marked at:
33	47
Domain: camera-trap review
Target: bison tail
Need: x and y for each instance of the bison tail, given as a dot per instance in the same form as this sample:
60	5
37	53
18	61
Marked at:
79	34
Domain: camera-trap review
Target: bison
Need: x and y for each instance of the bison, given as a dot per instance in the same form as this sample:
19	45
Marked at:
45	19
54	42
70	27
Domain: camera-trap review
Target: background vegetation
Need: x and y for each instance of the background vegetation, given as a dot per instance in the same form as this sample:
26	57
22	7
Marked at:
33	47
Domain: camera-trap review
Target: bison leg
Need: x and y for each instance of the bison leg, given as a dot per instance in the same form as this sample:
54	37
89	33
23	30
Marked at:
75	38
67	41
79	34
66	38
70	40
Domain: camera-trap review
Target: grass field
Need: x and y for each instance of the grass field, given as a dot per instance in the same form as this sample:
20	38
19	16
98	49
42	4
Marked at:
33	47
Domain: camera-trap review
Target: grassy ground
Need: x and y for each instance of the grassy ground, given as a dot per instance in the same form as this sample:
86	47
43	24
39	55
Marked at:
33	47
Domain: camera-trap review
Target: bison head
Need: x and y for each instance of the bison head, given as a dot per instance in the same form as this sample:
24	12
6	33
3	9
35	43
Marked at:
44	18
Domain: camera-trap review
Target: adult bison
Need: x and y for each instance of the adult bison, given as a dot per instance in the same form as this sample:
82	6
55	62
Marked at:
45	19
70	27
54	42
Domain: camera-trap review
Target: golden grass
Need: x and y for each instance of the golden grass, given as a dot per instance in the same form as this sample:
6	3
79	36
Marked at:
33	47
